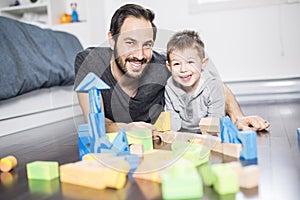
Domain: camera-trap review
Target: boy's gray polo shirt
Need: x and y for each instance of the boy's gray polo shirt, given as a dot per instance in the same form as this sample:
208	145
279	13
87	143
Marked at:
187	110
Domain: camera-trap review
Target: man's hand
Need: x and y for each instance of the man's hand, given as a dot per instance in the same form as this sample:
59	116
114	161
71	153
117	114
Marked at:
253	122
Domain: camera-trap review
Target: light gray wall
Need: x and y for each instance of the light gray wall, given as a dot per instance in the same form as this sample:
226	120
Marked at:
245	44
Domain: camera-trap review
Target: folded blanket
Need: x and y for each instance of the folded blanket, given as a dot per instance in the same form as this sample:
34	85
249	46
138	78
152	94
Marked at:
32	58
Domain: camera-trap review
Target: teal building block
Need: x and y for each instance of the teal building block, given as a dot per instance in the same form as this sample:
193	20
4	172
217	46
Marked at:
206	173
181	181
42	170
225	179
195	153
249	144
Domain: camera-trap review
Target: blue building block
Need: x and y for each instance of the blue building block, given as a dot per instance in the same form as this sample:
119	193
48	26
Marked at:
298	132
133	161
120	143
229	132
96	126
83	140
249	143
91	81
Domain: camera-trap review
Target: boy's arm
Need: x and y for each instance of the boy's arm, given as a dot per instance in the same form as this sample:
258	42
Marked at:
242	122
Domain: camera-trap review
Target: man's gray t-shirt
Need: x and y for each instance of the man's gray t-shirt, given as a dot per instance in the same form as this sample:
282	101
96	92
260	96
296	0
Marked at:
145	106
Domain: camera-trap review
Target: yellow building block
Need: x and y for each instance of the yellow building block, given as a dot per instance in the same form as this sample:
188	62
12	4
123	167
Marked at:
163	123
117	163
92	174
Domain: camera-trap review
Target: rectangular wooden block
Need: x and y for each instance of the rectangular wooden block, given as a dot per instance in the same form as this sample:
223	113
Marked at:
92	174
42	170
249	177
232	150
210	125
137	149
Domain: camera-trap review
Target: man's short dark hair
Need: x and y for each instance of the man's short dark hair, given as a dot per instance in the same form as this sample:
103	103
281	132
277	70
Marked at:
127	10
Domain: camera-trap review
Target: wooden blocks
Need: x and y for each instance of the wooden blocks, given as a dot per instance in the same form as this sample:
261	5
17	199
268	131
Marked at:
210	125
163	123
248	176
137	149
92	174
232	150
8	163
42	170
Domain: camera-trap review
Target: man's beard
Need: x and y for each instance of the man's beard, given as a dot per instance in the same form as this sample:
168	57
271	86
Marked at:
122	66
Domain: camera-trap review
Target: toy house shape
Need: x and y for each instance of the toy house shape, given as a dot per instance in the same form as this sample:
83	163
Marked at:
93	85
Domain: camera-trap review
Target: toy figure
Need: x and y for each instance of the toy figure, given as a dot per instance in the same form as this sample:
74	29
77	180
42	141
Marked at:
74	12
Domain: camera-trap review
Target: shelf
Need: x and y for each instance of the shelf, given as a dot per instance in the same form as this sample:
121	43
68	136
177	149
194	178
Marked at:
19	10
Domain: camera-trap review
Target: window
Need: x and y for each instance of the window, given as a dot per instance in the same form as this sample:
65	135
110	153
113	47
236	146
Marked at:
196	6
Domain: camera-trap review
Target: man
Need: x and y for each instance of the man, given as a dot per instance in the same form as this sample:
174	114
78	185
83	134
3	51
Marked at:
137	74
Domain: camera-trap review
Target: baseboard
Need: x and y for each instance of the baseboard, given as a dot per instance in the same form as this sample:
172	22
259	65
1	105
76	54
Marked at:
265	91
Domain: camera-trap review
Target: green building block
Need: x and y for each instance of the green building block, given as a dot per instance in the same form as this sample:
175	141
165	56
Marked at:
43	187
226	180
142	136
196	153
206	173
181	181
42	170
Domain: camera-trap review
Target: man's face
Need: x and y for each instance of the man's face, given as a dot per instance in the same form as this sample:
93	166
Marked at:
133	49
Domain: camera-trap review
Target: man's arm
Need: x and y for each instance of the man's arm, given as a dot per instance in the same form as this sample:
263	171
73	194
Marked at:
110	126
237	116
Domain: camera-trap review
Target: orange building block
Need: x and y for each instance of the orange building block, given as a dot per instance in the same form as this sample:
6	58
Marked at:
8	163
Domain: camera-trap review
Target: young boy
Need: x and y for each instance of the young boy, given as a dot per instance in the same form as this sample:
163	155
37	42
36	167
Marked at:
191	92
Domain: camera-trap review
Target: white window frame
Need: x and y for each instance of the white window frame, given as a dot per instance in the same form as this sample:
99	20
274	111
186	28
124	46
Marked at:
199	6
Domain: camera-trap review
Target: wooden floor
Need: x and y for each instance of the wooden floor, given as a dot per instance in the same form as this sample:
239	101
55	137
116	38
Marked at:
278	160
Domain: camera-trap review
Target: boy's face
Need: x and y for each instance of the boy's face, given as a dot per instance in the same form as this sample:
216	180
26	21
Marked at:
133	49
185	66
